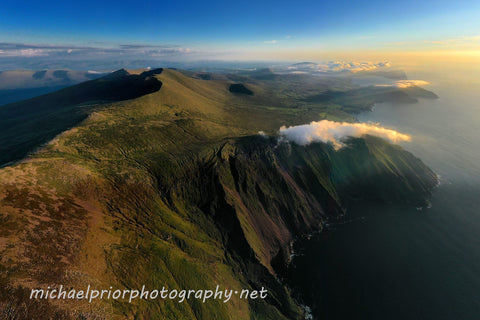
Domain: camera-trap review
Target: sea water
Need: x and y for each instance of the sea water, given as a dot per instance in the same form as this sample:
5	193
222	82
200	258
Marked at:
386	261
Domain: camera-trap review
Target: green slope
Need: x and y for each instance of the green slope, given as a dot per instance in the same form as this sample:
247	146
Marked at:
26	125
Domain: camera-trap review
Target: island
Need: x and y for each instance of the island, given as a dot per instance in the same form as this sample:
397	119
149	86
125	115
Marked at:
182	179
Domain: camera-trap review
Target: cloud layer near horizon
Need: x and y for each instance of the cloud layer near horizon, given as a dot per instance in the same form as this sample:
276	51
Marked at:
8	49
100	56
339	66
336	132
405	84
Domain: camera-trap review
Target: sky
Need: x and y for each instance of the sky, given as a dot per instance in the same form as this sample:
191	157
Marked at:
241	30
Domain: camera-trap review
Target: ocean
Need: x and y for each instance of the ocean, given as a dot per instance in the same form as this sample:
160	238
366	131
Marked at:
385	261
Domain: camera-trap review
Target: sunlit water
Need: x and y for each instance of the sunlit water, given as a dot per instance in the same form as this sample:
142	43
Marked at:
391	262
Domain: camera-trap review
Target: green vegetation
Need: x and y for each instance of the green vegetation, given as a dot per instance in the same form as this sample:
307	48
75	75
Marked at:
172	186
26	125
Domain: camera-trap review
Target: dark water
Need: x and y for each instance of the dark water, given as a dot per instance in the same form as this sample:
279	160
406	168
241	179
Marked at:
391	262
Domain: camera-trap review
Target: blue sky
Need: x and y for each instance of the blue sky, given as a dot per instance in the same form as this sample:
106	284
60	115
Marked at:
239	29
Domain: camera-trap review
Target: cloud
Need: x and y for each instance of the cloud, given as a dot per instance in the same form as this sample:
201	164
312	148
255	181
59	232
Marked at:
136	46
167	51
147	46
336	132
339	66
353	66
95	56
270	41
30	52
19	46
459	40
411	83
8	49
405	84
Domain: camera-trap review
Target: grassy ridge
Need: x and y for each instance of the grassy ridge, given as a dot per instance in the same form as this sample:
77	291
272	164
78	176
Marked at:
28	124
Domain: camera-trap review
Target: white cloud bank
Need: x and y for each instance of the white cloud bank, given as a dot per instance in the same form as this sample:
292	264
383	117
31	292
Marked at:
405	84
8	49
411	83
339	66
336	132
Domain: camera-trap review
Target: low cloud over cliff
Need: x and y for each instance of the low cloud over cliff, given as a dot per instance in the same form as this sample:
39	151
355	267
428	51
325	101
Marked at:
336	132
405	84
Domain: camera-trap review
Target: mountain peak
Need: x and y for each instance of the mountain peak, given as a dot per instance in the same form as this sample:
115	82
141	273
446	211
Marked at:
117	74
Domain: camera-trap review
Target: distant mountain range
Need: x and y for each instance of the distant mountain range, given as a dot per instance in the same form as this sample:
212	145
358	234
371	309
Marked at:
16	85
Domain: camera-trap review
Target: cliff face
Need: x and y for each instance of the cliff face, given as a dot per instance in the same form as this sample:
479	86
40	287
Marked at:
174	189
279	191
